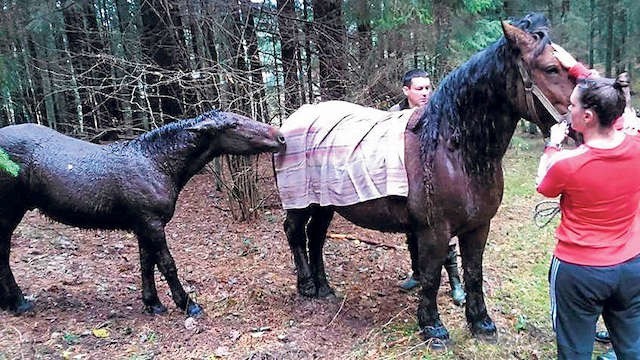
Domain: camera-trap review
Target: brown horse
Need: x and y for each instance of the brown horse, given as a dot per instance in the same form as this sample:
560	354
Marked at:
130	186
453	156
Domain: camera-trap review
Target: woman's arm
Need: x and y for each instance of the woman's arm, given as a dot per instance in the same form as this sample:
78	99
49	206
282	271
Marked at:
552	147
576	69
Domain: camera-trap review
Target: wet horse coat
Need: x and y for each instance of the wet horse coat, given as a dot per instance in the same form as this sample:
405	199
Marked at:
453	158
130	186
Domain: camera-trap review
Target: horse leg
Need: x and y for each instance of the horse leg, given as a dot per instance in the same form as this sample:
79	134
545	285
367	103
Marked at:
472	245
431	254
317	232
294	225
11	296
150	298
412	245
155	242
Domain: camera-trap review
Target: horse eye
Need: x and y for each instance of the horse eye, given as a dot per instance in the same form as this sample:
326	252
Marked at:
552	70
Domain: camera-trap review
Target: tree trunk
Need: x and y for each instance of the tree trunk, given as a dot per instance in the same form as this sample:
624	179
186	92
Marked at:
75	89
621	44
288	51
363	21
307	49
160	45
608	66
258	94
126	51
330	35
592	31
565	9
442	15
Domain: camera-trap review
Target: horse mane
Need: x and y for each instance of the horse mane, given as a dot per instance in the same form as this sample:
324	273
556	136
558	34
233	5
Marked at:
468	109
172	135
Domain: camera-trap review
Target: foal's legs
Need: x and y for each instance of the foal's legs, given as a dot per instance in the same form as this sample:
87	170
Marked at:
150	298
472	245
153	249
317	232
294	228
11	296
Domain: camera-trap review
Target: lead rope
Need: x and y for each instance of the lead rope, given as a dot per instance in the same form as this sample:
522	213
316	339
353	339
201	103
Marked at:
545	211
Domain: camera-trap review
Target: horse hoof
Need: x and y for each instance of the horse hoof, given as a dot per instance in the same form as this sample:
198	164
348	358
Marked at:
438	344
437	337
326	292
23	307
155	309
485	329
307	289
194	310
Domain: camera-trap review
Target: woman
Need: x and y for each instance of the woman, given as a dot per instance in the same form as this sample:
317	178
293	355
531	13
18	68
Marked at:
595	269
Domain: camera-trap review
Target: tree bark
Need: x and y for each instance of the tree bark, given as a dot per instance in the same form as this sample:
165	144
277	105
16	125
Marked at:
288	53
330	40
258	94
160	19
608	66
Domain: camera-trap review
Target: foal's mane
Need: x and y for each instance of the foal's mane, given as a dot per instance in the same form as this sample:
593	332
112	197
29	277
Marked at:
172	135
467	110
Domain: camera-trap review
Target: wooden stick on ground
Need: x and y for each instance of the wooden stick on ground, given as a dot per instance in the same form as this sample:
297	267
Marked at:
370	242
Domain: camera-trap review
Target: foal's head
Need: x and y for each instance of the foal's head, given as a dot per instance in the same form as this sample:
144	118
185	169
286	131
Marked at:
530	42
238	135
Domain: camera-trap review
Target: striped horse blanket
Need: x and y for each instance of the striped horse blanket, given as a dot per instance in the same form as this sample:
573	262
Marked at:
339	153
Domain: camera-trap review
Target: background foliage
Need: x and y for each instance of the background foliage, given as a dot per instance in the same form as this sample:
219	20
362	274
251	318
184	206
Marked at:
102	69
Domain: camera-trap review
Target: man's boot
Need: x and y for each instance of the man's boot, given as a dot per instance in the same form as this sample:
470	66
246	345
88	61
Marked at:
609	355
409	284
451	265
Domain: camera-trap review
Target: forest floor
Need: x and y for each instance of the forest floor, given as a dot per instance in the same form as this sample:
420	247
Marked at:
86	287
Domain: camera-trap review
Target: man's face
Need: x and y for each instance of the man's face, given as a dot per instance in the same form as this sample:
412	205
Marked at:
418	92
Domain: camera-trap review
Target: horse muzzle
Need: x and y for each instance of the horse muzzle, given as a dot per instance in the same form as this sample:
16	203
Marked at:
281	142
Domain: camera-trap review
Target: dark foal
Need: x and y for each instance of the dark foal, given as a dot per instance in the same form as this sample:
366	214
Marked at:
453	156
130	186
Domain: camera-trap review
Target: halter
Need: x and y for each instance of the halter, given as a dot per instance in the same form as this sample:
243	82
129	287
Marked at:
531	90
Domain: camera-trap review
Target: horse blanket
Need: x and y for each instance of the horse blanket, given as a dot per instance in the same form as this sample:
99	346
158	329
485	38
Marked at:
339	153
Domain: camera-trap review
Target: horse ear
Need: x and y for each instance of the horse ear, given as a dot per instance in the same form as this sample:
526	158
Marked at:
517	37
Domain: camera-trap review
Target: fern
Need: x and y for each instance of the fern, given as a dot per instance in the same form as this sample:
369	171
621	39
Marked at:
6	164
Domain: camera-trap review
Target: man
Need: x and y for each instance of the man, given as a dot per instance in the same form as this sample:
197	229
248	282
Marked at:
417	89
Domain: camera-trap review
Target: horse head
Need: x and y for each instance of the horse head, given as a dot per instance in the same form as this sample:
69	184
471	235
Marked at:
239	135
543	77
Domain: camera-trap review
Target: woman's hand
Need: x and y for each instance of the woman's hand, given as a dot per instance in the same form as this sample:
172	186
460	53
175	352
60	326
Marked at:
559	132
566	60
